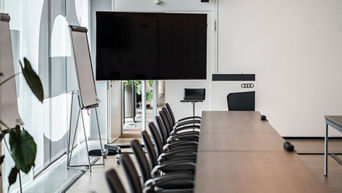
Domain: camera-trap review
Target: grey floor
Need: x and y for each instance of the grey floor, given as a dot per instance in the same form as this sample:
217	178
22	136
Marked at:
95	182
315	162
57	177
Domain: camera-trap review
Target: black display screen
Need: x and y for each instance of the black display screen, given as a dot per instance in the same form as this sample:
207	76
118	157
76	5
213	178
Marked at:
150	46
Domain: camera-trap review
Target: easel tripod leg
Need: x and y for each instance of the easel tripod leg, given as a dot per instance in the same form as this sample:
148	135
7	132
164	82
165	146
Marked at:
86	141
98	130
73	140
69	133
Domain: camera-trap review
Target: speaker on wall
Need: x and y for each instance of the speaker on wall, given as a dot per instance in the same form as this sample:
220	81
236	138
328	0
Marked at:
205	1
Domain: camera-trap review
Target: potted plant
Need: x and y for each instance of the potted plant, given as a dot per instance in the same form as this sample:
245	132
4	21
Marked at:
149	91
21	145
128	98
128	89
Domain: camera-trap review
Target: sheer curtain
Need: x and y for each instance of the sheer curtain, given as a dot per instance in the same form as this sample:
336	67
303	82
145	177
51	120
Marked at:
39	30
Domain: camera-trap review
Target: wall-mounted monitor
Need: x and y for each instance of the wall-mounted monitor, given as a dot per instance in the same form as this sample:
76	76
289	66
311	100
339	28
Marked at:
150	46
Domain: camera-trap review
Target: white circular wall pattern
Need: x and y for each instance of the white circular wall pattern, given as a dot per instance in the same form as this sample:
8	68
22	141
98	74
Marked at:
81	8
60	38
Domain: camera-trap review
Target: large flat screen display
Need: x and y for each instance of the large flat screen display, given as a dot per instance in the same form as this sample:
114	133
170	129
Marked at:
150	46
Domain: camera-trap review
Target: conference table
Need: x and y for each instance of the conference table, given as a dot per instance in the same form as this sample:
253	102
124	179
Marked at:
240	153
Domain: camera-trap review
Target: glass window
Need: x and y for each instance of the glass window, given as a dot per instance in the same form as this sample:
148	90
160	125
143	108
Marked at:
39	32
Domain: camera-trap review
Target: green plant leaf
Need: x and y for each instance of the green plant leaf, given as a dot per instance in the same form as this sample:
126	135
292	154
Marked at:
150	82
3	133
2	159
32	80
12	177
23	149
149	96
138	89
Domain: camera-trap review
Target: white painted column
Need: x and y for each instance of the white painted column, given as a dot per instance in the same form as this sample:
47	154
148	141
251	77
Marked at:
155	97
143	105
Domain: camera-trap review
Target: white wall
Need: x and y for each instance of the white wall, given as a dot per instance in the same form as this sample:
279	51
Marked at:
101	86
175	89
295	49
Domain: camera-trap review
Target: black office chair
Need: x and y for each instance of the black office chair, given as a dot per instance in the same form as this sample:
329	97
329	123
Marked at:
241	101
155	159
182	136
114	182
174	135
181	123
161	129
153	184
174	122
169	146
165	168
165	122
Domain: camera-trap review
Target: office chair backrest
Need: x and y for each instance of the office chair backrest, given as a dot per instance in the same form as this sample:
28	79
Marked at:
142	160
241	101
114	182
150	149
168	116
131	174
165	122
161	128
156	138
168	107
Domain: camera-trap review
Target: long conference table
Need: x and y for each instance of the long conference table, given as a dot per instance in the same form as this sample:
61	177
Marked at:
240	153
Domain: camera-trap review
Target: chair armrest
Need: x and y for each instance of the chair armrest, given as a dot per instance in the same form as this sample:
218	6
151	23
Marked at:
186	127
185	133
183	152
191	117
178	165
184	158
180	143
169	178
183	136
186	154
187	122
149	189
180	148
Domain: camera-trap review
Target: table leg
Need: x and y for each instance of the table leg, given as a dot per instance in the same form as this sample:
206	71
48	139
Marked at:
326	151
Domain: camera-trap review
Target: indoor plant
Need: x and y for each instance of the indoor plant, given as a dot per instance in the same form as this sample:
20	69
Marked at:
138	85
21	145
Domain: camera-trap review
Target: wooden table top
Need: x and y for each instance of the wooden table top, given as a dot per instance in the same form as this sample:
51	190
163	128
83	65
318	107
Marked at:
336	119
239	153
234	122
240	142
254	172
